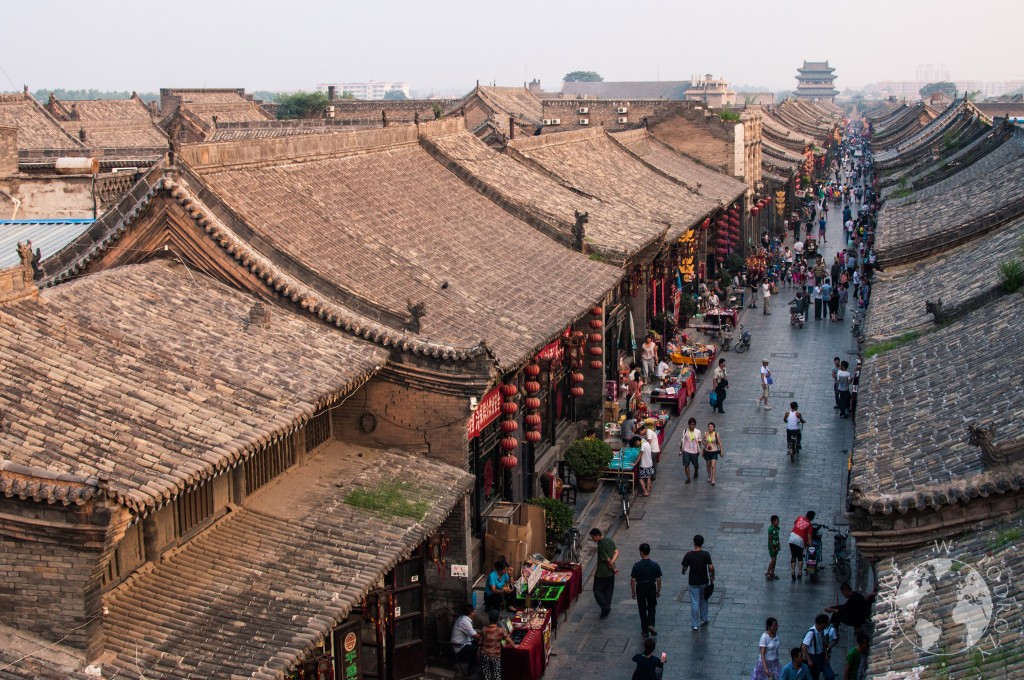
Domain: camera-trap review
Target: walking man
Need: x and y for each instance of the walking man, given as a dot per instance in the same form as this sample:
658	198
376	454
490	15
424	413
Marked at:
766	383
604	576
645	584
843	380
816	647
689	448
766	293
702	574
835	380
720	383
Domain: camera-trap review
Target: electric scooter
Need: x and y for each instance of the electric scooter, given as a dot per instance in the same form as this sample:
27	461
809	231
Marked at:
814	553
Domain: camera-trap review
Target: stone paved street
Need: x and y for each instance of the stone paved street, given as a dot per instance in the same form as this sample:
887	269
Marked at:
755	480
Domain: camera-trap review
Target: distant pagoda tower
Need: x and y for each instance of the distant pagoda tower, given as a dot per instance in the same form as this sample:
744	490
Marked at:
815	81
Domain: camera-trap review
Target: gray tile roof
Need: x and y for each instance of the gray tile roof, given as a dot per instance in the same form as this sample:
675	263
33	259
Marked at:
256	592
911	447
591	162
981	197
148	376
953	609
963	278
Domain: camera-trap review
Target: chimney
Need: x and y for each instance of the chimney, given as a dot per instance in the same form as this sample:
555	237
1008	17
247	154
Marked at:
511	127
331	90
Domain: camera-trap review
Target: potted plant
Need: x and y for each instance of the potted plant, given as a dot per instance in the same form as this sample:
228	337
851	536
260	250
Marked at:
558	517
587	457
687	308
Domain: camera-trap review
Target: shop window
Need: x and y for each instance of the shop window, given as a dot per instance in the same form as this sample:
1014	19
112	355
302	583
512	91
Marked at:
318	430
269	462
193	508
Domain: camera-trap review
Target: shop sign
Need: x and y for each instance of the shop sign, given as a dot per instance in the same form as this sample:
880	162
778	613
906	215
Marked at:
554	351
486	412
350	660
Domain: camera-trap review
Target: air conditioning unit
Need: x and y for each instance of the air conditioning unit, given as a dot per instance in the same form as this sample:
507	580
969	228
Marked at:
547	121
556	121
584	121
621	109
329	109
584	109
622	119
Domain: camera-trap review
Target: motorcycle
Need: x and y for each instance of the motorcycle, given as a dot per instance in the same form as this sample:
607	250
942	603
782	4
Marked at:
743	344
814	553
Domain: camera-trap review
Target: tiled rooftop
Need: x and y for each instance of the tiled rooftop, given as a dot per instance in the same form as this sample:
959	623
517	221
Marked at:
591	162
707	181
37	130
962	277
147	375
615	231
373	213
912	450
253	594
966	204
967	590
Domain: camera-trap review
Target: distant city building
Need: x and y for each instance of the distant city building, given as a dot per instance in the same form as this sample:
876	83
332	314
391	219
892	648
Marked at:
933	73
713	92
815	80
368	90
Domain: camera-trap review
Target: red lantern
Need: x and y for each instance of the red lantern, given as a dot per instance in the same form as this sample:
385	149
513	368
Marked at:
531	387
509	443
597	311
508	390
597	364
596	324
754	210
533	419
706	223
510	408
722	222
532	370
576	391
509	426
509	461
578	335
719	259
577	378
532	403
533	436
595	337
596	351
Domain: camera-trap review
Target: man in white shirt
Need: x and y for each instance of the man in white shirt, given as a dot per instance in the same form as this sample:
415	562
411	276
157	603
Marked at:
663	370
646	459
689	448
766	382
766	293
464	636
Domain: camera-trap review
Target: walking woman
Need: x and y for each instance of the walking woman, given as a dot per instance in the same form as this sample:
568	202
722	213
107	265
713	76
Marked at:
768	666
712	451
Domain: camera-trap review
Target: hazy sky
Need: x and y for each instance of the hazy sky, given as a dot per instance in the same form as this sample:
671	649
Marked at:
450	44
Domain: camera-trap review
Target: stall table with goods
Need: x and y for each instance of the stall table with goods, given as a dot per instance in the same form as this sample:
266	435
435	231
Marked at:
626	464
531	631
698	355
677	390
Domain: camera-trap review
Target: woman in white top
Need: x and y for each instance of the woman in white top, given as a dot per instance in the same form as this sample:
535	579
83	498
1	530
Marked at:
768	666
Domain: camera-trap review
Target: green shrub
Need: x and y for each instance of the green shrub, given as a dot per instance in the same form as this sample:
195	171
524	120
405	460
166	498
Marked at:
733	263
1011	275
558	517
587	457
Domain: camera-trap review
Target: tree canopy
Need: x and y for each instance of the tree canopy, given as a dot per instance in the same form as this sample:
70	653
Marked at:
947	88
582	77
393	95
301	105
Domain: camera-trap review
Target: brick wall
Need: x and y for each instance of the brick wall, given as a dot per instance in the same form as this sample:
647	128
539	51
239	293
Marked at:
447	592
49	196
16	283
404	111
50	558
605	112
8	150
703	136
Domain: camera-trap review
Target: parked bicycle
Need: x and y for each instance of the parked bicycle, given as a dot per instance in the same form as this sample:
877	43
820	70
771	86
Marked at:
625	487
840	555
572	545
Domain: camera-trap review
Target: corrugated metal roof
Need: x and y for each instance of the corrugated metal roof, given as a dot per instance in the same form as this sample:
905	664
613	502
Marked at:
47	235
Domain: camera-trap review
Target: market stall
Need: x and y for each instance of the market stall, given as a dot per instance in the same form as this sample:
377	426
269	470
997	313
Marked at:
625	463
531	631
676	390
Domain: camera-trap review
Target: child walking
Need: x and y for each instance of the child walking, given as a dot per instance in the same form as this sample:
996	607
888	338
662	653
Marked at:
773	548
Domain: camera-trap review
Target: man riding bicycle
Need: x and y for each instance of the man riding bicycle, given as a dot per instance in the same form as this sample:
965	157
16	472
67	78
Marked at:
793	420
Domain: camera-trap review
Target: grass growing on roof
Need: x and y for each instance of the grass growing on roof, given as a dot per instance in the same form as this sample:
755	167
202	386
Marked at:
390	498
899	341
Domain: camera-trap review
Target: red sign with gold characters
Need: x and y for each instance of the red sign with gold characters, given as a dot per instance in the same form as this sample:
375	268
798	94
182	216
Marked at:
486	411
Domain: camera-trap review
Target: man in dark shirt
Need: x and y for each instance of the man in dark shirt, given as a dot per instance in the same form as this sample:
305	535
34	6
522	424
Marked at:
645	583
854	612
702	572
604	576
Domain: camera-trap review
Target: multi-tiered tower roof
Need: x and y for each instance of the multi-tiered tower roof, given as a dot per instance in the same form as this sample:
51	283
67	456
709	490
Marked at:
815	81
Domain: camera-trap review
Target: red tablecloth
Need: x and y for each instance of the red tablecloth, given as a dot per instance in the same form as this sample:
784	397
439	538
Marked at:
527	659
675	401
722	314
